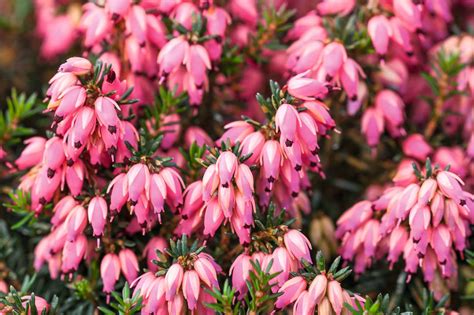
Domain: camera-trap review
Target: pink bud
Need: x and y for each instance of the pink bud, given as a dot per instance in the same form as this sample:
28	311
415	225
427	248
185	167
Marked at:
136	23
397	242
391	106
96	24
236	131
76	65
53	156
213	217
291	290
408	13
32	154
304	305
372	126
157	192
128	264
245	10
118	189
240	271
173	279
335	296
253	143
197	62
174	187
109	271
71	99
76	222
184	13
283	263
138	181
441	242
171	128
75	177
40	304
334	57
271	160
206	271
210	182
349	76
172	54
106	111
191	288
380	32
217	21
175	305
97	215
297	245
154	244
416	146
83	125
117	8
306	88
287	122
62	209
226	198
73	253
328	7
198	135
450	185
401	35
317	289
226	166
244	181
192	199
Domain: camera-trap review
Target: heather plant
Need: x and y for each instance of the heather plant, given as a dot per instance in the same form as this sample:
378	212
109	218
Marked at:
238	157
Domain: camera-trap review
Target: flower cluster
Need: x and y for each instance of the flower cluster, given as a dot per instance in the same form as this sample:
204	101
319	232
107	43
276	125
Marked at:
426	219
317	289
86	110
285	148
184	275
160	132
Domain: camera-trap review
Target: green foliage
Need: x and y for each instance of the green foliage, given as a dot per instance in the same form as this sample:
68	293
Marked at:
124	304
20	302
19	107
260	298
227	302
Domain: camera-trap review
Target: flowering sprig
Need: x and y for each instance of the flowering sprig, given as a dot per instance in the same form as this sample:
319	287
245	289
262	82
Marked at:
20	302
315	286
124	304
184	273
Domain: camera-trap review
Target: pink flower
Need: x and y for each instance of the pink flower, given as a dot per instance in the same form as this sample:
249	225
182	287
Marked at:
191	288
40	303
408	13
291	290
416	146
32	154
173	280
97	215
342	7
306	88
109	272
128	264
76	222
372	126
380	32
172	55
298	245
76	65
287	122
240	271
73	253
